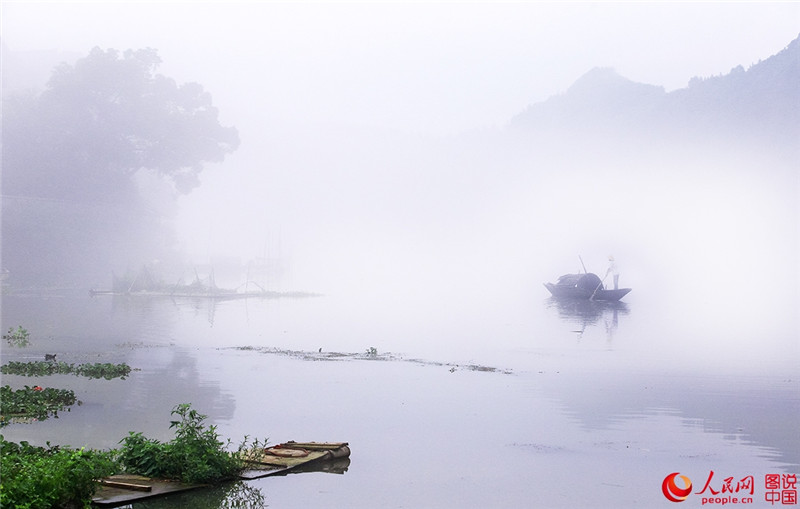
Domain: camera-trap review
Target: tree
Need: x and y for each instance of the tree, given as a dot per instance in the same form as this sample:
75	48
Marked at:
102	120
71	202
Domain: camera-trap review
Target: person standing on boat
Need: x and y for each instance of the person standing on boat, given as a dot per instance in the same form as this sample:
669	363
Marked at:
612	269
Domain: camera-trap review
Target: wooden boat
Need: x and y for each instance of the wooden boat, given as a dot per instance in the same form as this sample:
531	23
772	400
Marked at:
282	459
293	455
584	286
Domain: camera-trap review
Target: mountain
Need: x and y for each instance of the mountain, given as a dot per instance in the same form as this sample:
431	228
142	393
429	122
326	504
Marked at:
601	98
762	102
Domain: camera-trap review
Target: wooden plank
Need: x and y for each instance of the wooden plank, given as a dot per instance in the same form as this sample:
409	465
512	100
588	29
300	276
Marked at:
111	496
125	485
316	445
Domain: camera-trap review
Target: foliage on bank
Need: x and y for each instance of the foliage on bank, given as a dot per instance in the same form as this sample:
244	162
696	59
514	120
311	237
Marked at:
44	368
195	455
52	476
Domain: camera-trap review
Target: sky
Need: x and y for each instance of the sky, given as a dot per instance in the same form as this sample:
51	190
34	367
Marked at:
434	67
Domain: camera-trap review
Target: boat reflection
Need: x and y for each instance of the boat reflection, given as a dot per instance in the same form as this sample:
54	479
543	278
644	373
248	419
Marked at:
589	313
334	466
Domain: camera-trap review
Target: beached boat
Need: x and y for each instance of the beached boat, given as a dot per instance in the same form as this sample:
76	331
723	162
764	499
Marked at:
296	456
282	459
584	286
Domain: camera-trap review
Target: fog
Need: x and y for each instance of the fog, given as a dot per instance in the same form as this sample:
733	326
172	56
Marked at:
420	169
376	160
399	223
421	67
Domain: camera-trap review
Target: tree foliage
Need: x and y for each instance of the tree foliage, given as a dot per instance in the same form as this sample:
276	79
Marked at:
100	121
76	154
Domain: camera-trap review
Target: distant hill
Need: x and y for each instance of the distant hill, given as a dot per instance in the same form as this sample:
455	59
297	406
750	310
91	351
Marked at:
600	99
762	102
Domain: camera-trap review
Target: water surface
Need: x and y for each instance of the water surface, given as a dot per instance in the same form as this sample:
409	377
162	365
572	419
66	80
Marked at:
516	401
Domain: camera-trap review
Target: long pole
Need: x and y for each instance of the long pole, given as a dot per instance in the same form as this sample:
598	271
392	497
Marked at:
582	265
598	286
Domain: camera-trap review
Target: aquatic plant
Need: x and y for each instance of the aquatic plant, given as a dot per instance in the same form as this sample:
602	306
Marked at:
46	477
195	455
44	368
54	476
17	337
103	370
33	402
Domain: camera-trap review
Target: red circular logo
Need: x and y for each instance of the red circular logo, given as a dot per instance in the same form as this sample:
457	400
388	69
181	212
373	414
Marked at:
672	491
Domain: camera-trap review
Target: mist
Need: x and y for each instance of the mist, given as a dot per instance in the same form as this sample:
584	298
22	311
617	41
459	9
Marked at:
397	221
430	166
407	163
401	178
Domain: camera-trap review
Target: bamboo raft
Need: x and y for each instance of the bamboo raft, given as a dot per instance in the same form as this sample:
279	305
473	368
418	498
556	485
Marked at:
282	459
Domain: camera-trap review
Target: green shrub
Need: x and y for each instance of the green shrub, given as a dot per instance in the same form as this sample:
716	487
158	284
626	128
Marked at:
195	455
39	477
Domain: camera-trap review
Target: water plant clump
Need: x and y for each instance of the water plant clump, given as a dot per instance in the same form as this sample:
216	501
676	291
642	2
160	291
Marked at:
195	455
33	402
46	477
107	371
17	337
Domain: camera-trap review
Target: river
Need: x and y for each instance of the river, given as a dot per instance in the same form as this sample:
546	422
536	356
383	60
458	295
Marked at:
517	401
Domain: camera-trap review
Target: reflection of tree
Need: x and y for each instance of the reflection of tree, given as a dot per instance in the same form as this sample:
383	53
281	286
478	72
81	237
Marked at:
586	312
173	375
178	381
